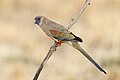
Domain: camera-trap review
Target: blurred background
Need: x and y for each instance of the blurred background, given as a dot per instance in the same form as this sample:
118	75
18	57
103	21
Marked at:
23	45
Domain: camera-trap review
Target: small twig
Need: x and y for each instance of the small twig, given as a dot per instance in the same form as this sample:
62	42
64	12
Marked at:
53	47
49	54
76	18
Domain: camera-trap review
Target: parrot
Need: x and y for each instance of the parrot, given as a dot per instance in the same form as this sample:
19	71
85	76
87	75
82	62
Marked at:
60	35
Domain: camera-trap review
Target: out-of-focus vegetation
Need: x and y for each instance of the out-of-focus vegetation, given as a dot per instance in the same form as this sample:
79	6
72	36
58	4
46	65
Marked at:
23	45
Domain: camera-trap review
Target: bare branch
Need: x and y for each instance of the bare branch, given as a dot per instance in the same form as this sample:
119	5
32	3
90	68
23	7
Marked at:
53	47
76	18
49	54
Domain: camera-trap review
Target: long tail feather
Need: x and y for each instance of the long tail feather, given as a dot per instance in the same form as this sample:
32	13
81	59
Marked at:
77	46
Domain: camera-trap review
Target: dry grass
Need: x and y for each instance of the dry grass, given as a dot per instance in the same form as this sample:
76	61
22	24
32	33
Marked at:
23	45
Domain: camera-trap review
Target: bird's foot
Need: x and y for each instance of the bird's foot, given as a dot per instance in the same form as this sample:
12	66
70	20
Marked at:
58	43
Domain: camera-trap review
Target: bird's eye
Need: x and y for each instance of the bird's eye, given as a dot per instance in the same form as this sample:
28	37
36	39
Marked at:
38	18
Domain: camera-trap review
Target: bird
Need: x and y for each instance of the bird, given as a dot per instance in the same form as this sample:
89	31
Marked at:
60	34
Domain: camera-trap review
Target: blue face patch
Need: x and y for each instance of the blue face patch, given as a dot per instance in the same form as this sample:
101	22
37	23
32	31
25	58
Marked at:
37	20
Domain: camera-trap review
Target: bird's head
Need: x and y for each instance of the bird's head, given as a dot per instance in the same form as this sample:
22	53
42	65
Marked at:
38	20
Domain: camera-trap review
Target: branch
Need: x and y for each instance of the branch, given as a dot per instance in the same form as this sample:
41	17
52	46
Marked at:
53	47
76	18
49	54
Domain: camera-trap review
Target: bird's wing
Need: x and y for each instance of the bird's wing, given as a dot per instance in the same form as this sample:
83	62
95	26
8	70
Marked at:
61	36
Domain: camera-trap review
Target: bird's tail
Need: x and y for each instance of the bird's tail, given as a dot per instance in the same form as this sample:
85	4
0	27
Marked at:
79	48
